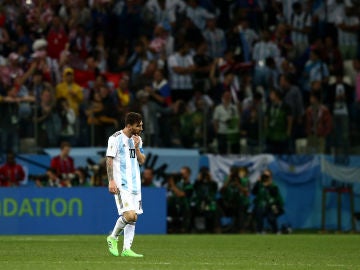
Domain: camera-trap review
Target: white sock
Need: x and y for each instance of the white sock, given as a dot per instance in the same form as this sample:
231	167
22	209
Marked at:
129	233
119	226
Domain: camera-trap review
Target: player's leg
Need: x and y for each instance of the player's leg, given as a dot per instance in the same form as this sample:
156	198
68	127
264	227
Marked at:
121	222
129	231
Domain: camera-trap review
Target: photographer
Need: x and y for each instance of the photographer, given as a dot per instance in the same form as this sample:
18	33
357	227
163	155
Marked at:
235	197
268	203
181	191
50	179
205	193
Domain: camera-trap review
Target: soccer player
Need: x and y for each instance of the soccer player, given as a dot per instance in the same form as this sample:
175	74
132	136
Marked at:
123	156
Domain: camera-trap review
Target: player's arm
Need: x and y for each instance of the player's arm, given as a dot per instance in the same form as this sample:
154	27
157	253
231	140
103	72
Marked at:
139	151
110	154
140	155
110	173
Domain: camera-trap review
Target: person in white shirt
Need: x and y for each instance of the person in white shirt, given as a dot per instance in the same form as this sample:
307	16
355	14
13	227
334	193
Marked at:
300	26
197	14
181	67
264	49
165	11
215	38
226	121
123	156
348	27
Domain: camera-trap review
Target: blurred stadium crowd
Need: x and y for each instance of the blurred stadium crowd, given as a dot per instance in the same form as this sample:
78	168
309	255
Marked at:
224	76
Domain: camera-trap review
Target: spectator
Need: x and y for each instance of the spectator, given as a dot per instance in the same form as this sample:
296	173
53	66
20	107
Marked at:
101	115
162	44
56	38
318	124
179	202
300	27
293	98
11	70
315	71
268	202
100	52
215	38
11	173
181	67
203	63
278	124
333	57
262	50
160	92
205	191
229	83
63	164
139	60
252	124
67	119
127	13
9	120
122	93
245	38
82	42
95	114
340	98
192	124
348	27
47	120
226	121
70	90
158	97
37	85
49	67
165	11
283	41
4	37
147	178
197	14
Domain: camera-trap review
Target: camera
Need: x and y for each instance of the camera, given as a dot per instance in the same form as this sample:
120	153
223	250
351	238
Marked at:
175	176
265	178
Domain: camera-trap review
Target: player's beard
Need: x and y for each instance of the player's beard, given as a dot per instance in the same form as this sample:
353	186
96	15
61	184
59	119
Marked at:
134	132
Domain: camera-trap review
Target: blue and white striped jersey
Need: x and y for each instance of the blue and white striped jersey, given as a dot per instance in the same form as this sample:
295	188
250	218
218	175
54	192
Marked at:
125	165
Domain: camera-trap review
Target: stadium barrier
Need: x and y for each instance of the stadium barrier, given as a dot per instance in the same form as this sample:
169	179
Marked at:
74	211
301	179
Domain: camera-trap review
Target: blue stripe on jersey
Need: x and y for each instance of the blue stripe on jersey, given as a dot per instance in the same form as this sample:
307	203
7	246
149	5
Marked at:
134	165
122	162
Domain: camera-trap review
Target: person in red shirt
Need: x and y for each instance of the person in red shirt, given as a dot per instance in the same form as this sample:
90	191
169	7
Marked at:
11	174
63	164
56	38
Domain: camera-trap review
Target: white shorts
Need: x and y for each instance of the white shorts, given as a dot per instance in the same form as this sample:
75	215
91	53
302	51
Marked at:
125	201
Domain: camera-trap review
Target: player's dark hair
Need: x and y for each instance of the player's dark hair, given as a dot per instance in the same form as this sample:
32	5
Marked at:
132	118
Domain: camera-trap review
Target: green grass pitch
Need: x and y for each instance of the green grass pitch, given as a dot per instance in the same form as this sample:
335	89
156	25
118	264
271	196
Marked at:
177	252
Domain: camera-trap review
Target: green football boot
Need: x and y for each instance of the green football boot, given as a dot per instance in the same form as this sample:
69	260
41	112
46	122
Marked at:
130	253
112	243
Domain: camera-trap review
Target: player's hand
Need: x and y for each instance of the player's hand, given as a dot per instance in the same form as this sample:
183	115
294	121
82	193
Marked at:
136	139
112	187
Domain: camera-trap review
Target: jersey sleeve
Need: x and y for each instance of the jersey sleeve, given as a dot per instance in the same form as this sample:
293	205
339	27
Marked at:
112	147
